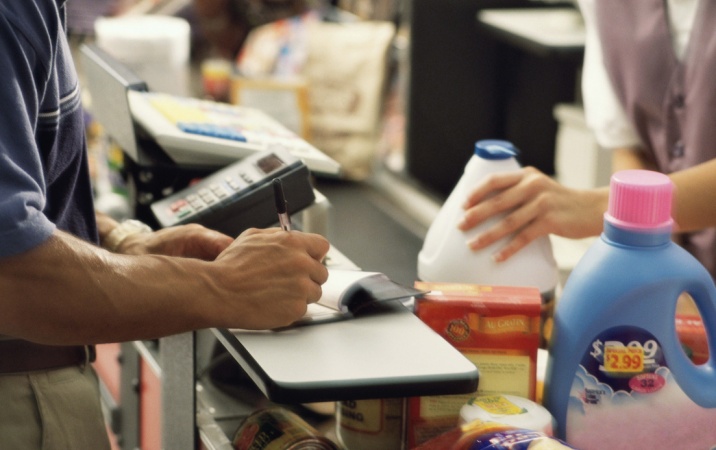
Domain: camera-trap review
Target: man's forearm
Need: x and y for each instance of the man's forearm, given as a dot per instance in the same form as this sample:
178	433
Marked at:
67	291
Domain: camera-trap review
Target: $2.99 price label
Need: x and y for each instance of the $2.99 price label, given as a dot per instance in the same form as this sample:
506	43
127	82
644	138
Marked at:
623	359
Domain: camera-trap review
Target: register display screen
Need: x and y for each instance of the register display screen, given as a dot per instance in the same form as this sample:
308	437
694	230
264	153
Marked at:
269	163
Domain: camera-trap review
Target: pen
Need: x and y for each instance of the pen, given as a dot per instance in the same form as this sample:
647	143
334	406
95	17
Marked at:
281	203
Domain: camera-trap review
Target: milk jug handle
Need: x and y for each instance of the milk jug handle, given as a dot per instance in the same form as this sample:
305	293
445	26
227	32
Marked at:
691	377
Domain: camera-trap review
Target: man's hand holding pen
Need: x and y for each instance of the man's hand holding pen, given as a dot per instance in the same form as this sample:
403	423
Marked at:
266	278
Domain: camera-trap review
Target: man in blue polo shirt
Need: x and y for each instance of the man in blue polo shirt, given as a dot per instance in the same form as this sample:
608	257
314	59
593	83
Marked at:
60	292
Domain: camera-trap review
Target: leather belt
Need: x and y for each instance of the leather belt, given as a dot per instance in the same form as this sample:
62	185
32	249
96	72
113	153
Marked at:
23	356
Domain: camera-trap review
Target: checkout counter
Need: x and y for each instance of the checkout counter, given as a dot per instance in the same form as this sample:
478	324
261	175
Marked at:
159	394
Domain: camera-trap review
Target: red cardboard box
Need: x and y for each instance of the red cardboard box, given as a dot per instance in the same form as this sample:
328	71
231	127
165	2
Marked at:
496	327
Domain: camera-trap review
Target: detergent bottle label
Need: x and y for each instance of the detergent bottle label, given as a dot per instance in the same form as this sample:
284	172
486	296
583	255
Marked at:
486	435
622	386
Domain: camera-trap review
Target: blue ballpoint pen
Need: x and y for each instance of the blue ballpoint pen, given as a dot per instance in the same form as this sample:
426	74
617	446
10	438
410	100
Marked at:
283	217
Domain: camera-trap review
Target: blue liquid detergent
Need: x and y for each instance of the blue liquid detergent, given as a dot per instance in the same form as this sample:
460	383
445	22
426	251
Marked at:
617	376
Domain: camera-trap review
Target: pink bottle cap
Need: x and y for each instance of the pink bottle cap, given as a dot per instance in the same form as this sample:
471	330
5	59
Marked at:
640	200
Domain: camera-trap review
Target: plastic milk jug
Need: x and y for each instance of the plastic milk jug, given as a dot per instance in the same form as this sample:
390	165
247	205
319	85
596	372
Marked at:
617	376
446	257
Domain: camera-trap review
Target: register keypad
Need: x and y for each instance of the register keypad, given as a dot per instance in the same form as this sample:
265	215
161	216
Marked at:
209	195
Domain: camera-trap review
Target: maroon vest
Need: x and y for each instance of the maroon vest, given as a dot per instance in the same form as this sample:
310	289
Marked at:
671	104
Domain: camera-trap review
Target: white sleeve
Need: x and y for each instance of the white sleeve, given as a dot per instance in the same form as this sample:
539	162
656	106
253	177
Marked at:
603	112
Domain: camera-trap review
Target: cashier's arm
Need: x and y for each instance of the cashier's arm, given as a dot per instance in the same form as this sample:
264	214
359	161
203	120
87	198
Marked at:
67	291
539	205
695	197
694	194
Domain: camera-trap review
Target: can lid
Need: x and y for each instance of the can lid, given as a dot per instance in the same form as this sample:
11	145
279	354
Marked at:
495	149
640	200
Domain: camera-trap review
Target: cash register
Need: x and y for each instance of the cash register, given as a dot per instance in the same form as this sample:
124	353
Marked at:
170	142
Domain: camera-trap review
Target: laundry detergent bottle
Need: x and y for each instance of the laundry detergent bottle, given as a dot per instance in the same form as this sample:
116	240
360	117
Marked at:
446	256
617	376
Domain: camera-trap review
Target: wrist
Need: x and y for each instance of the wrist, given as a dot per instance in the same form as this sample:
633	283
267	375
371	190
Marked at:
121	232
599	199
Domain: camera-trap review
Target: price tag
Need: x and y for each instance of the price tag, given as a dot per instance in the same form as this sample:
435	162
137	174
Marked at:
623	359
498	405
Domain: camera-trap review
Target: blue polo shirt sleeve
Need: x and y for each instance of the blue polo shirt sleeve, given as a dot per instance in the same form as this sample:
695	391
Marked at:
23	225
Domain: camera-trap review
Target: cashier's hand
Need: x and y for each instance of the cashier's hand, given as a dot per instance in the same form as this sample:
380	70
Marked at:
536	206
266	278
191	241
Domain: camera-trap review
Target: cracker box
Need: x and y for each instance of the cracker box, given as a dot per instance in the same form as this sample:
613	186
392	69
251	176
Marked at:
497	328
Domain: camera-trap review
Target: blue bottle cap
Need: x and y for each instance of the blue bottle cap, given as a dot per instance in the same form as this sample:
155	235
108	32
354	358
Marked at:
495	149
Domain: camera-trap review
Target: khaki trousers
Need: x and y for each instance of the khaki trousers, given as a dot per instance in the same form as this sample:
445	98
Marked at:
56	409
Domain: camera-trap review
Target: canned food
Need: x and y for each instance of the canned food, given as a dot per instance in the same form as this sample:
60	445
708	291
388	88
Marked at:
370	424
279	429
